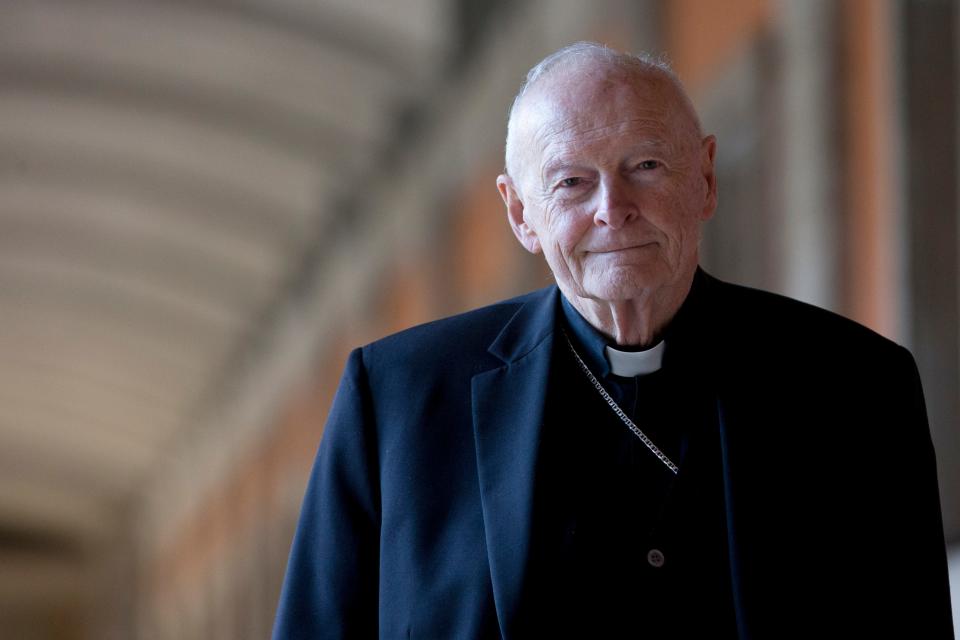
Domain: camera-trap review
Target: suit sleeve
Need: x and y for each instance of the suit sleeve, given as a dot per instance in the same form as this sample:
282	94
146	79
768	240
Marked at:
925	588
331	584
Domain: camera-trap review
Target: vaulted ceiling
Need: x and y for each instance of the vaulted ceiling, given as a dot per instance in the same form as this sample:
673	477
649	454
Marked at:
166	168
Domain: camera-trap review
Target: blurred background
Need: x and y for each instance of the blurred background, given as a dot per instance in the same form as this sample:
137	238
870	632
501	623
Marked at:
205	204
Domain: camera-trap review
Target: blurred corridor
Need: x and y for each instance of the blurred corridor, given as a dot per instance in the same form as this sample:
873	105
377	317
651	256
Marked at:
205	205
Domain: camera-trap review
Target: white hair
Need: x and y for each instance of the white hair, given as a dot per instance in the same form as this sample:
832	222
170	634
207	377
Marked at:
585	51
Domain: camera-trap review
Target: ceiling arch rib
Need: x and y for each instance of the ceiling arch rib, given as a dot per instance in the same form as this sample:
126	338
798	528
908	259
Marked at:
407	38
114	465
109	211
84	390
127	418
213	50
231	210
196	275
108	382
95	303
164	138
53	465
342	150
165	358
24	271
21	411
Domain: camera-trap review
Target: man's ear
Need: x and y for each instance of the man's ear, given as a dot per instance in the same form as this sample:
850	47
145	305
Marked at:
516	214
708	154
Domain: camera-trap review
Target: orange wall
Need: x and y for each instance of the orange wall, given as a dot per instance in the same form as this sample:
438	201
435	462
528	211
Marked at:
868	191
702	35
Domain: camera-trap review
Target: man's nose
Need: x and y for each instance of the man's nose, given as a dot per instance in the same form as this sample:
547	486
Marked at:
617	205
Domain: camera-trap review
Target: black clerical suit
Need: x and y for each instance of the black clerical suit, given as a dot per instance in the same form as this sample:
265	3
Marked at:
472	483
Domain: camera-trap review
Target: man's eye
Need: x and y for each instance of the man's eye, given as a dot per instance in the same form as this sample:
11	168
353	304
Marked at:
648	165
571	182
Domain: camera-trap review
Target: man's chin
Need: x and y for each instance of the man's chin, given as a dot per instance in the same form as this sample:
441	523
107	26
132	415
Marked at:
615	284
620	291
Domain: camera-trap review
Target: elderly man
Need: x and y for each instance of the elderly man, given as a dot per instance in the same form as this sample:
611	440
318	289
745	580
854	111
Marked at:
639	451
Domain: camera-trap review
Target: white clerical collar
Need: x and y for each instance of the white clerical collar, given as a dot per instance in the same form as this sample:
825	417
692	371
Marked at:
635	363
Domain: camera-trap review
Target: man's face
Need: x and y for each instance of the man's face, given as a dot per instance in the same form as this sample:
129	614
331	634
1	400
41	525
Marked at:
613	183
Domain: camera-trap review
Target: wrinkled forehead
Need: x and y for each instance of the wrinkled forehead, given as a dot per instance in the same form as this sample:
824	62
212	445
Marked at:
586	103
594	112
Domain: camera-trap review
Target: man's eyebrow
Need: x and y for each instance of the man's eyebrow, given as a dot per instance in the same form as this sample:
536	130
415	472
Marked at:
641	147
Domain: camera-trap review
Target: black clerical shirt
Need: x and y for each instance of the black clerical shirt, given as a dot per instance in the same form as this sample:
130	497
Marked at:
625	545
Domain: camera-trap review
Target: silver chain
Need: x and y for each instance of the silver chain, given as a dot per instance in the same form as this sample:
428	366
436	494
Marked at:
616	409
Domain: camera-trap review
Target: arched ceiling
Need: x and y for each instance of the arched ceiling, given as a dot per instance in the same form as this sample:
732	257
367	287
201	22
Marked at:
165	167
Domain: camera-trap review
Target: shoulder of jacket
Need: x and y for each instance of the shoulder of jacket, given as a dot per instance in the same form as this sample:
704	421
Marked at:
464	334
755	314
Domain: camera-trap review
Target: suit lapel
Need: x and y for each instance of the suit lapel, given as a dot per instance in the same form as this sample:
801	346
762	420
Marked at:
751	420
715	355
508	408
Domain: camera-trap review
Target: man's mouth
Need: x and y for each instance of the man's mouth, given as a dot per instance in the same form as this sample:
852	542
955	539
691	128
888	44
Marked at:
626	248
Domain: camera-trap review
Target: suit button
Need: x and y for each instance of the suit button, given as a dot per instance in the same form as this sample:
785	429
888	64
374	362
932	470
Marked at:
655	558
